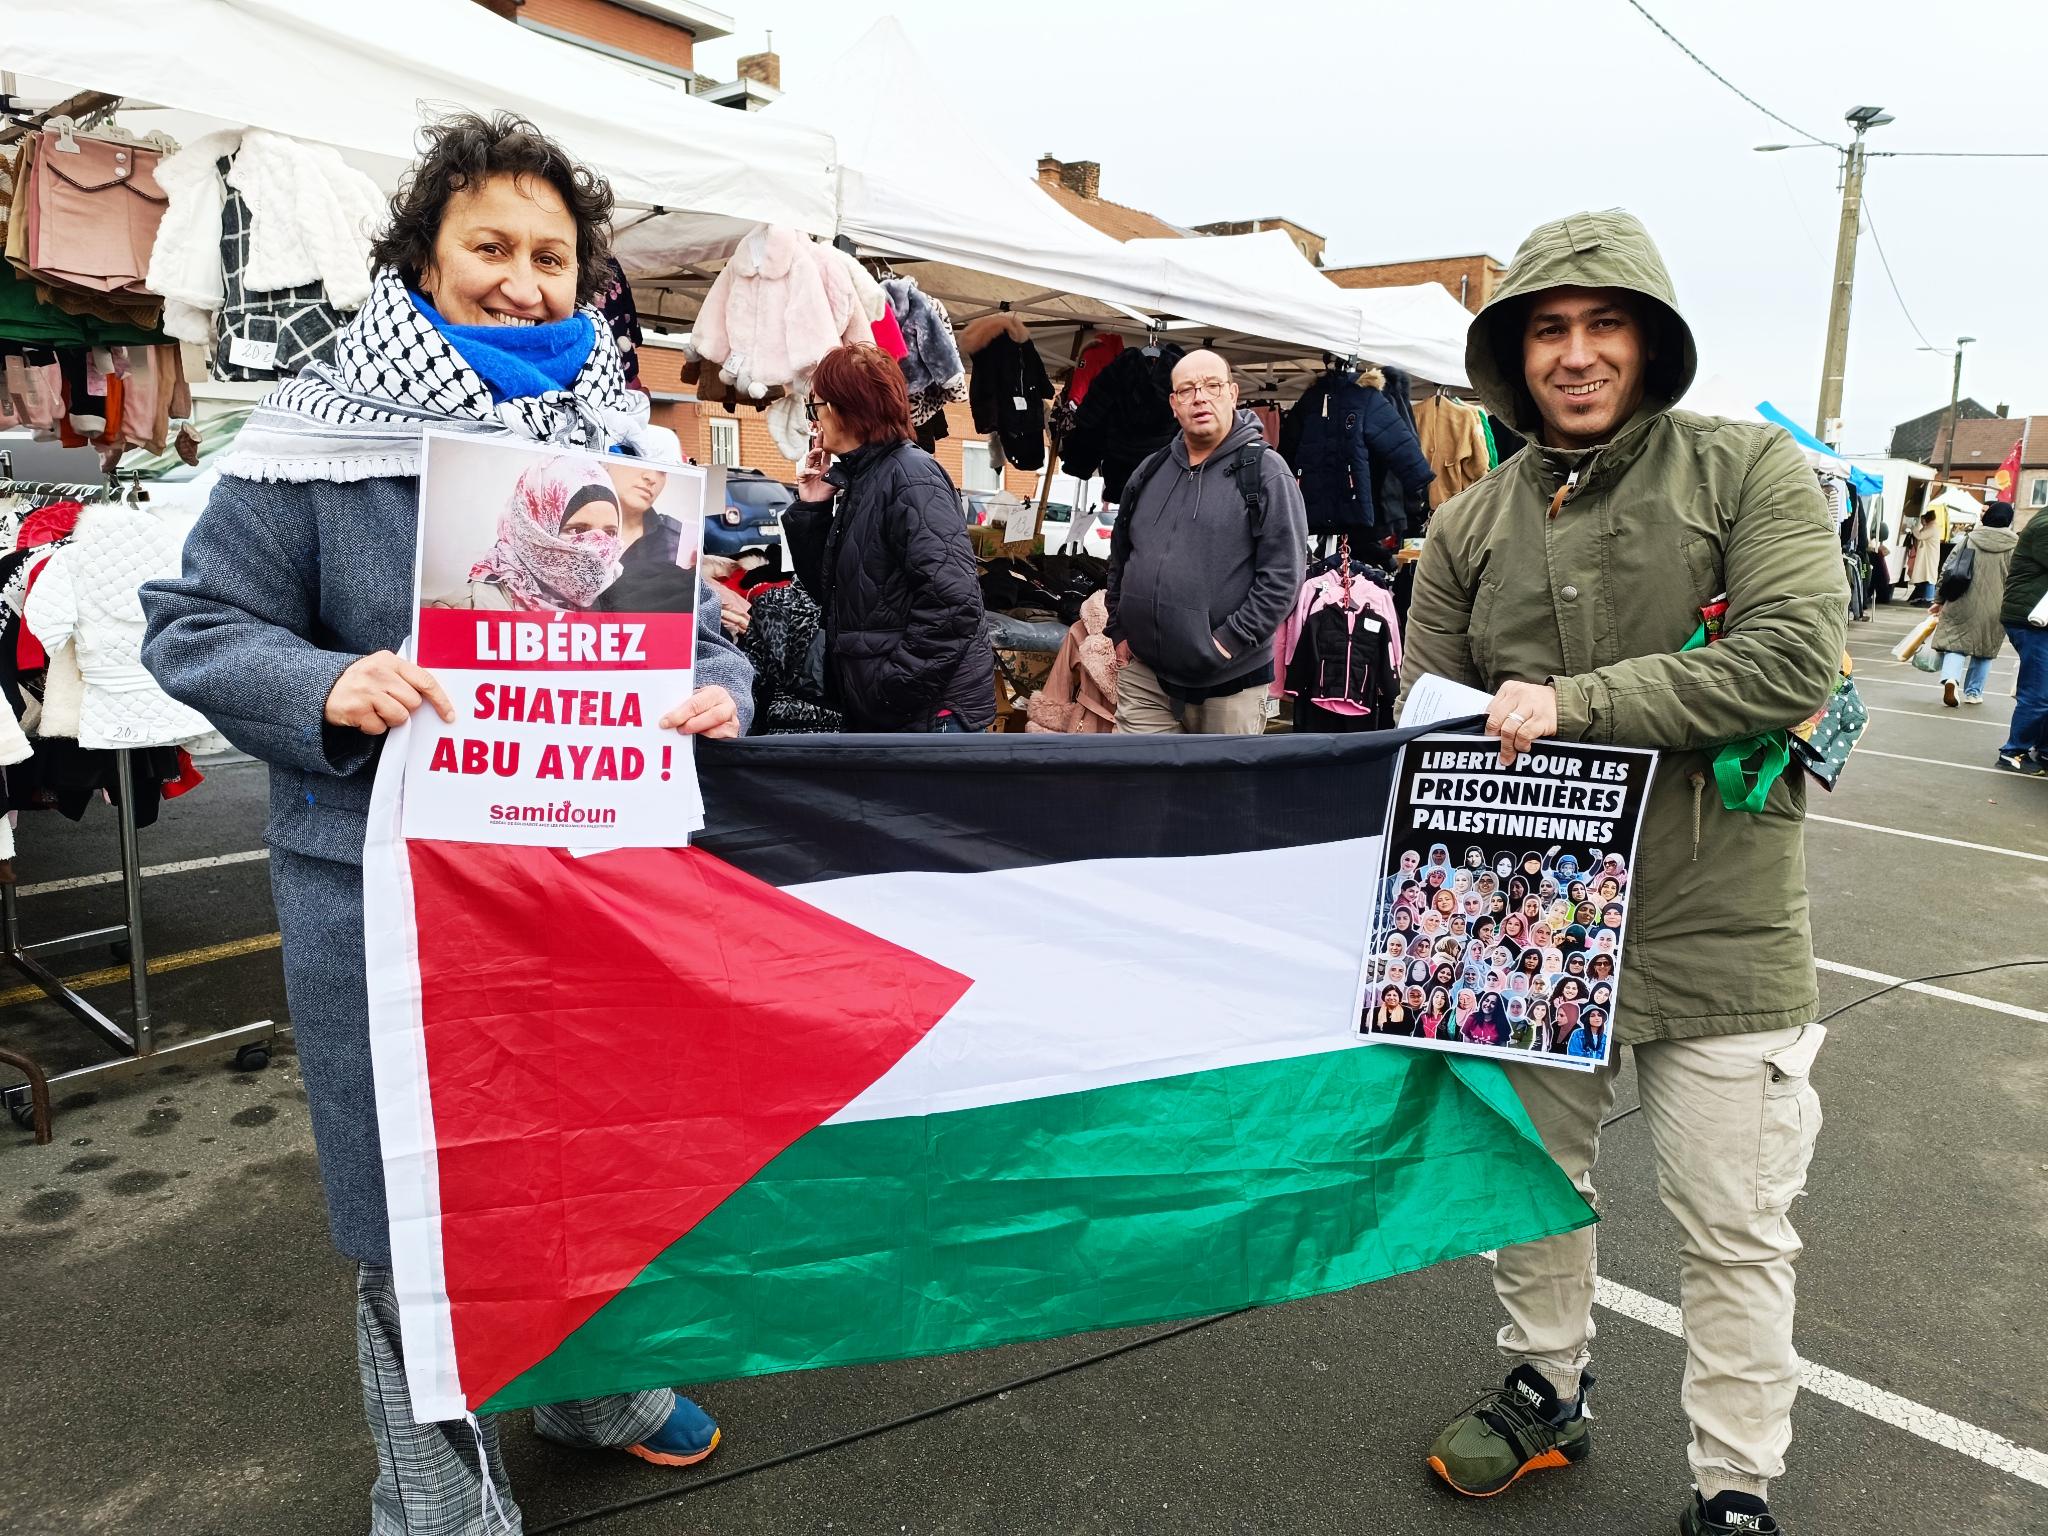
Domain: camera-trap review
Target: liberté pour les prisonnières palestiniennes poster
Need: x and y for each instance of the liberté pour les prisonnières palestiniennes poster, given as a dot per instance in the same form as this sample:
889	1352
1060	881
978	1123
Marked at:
922	1044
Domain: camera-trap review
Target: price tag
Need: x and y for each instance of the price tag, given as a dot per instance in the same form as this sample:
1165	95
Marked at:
244	353
1018	402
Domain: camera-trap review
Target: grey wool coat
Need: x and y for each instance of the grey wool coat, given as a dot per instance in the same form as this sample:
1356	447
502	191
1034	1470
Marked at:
284	585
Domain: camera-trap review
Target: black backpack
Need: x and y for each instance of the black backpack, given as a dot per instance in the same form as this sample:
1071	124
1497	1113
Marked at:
1250	460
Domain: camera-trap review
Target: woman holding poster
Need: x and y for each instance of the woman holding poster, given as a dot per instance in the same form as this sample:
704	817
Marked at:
284	630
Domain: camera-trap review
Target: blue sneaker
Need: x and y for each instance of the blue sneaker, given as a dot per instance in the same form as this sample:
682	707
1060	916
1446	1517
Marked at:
689	1435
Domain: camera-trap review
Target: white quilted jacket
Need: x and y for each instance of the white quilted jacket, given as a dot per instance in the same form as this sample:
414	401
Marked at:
88	595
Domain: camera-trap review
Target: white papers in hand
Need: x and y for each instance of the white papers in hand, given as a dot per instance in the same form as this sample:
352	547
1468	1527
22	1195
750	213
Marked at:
1434	699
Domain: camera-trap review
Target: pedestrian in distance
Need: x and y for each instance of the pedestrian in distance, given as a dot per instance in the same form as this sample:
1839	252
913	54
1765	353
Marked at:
284	629
1923	560
2026	626
1968	632
1209	552
1566	583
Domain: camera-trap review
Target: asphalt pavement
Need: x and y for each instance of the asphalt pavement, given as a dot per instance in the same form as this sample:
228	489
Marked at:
180	1351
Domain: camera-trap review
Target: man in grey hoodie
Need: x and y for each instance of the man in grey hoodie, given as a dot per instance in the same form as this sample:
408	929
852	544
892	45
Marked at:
1202	569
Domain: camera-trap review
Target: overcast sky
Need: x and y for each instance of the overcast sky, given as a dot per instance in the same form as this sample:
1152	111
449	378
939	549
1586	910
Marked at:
1406	130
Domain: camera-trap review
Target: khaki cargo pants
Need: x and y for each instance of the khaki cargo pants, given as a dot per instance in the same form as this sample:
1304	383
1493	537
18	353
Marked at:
1143	707
1732	1121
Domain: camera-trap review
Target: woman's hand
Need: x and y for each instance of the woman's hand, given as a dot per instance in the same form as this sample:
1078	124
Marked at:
381	690
811	484
734	611
707	712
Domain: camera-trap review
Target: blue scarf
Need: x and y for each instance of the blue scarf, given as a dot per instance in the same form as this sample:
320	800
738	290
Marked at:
517	362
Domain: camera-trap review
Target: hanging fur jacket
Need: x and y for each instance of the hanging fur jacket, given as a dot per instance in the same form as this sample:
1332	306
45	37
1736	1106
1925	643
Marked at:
931	363
1127	415
1079	696
779	306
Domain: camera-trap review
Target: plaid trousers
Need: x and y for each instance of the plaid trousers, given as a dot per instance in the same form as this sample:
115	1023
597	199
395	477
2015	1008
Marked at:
430	1476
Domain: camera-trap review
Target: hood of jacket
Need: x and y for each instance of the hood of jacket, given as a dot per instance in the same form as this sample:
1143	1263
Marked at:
1993	541
1586	250
1243	429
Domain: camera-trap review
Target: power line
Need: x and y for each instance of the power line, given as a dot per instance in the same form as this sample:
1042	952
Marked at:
1957	154
1891	279
1703	64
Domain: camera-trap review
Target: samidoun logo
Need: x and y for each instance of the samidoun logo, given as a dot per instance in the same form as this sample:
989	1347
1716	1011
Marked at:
560	813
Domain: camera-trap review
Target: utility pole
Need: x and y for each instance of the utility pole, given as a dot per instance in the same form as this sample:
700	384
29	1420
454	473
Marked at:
1829	427
1955	394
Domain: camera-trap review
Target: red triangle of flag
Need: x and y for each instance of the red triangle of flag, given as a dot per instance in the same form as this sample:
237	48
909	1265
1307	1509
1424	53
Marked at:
614	1045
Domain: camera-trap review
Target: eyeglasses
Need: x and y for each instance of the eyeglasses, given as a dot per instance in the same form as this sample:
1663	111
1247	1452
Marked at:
813	406
1213	388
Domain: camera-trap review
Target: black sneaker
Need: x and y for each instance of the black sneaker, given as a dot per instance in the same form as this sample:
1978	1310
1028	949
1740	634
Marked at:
1519	1427
1728	1514
2023	762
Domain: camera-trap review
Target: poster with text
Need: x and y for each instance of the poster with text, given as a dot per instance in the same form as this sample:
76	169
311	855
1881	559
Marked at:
555	599
1501	914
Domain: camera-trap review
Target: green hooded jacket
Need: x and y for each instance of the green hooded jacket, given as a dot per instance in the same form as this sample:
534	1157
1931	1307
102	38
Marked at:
1597	601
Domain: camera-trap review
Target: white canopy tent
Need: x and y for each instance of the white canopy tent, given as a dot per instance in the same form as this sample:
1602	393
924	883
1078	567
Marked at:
363	76
986	235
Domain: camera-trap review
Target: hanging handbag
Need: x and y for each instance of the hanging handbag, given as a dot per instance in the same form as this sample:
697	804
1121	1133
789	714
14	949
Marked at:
1823	743
1956	575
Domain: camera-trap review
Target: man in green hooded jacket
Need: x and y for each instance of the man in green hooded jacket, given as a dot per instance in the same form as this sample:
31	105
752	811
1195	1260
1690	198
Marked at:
1567	583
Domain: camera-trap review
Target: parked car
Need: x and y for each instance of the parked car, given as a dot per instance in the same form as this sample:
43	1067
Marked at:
1087	535
752	515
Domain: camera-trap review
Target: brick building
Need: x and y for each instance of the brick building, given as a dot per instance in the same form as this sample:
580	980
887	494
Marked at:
657	37
1306	240
1915	439
1982	445
713	435
1470	280
1076	185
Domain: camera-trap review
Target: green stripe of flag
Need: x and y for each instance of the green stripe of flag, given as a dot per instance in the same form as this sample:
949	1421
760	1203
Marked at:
1172	1198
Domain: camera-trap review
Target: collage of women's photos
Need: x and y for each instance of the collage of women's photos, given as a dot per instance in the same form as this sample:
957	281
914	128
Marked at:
1517	950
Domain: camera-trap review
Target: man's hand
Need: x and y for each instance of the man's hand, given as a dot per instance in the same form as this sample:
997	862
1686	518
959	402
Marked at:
1934	610
707	712
1521	715
381	690
1123	653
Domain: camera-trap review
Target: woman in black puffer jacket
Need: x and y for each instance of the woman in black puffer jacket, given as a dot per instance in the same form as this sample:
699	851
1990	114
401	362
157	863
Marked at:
905	643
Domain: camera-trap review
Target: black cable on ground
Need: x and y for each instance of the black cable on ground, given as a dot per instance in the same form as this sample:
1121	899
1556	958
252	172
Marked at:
854	1437
606	1511
1871	997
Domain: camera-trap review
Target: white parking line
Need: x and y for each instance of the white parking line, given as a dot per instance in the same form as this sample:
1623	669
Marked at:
1929	837
1931	1425
113	877
1928	714
1929	989
1942	762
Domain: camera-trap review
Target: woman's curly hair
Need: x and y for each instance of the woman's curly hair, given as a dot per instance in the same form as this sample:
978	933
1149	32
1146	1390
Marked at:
469	149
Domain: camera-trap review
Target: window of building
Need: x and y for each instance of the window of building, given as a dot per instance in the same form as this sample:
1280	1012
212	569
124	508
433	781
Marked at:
725	443
2037	493
977	471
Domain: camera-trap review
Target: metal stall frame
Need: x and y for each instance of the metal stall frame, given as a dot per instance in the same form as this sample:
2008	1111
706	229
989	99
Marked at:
137	1044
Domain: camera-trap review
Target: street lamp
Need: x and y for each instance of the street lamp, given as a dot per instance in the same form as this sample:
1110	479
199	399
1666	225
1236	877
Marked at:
1955	392
1828	428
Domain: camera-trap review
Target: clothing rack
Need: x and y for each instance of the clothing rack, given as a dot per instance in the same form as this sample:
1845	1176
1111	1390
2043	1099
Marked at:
136	1044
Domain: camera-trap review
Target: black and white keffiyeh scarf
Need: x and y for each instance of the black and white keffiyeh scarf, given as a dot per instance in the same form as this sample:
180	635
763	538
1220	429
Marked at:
393	376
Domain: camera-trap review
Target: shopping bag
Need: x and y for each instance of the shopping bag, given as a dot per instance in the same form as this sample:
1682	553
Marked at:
1904	650
1822	745
1927	659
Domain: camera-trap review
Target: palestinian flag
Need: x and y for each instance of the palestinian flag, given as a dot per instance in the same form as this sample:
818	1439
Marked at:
926	1044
